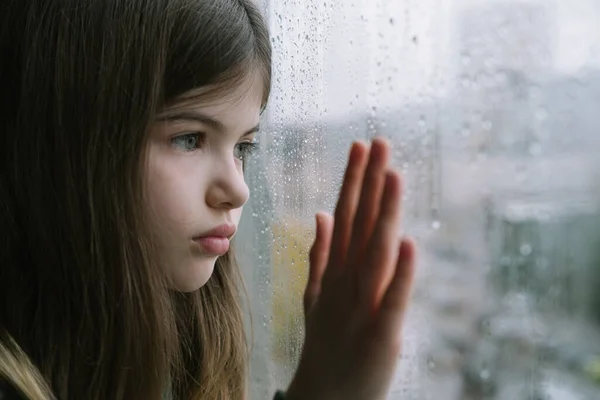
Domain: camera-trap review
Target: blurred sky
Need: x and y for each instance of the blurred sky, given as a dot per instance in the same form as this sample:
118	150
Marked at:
334	58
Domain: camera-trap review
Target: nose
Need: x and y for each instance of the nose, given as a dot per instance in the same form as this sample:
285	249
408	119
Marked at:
227	188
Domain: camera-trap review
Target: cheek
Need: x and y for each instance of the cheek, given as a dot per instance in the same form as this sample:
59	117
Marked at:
161	199
173	191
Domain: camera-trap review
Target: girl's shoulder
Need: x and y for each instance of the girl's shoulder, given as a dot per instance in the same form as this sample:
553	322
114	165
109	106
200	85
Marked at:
19	378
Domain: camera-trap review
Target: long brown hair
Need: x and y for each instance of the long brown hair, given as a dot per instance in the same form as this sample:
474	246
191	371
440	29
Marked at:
81	291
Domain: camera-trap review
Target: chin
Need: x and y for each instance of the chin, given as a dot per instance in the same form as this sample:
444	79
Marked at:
194	275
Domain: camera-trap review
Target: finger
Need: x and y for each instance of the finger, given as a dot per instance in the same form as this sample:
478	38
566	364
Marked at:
346	209
318	257
397	297
382	251
370	198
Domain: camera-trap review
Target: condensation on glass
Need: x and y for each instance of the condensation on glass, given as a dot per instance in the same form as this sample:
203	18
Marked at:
491	110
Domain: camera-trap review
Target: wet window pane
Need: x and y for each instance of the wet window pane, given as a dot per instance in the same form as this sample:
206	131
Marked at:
491	108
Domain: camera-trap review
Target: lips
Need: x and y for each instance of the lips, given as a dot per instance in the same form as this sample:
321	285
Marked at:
216	241
213	244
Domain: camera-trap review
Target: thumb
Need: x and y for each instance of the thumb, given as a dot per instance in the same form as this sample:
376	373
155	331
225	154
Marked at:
318	257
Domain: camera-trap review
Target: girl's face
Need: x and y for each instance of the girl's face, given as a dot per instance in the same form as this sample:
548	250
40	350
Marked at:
196	181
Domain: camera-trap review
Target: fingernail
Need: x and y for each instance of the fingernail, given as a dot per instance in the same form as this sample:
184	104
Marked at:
381	139
353	150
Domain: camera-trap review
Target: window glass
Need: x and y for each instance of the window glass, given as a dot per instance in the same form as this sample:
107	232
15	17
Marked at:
491	108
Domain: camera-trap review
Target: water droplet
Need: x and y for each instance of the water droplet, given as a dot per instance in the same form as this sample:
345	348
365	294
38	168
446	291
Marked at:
436	225
526	249
485	374
430	364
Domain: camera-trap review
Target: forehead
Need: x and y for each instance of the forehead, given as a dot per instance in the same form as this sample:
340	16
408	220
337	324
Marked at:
240	100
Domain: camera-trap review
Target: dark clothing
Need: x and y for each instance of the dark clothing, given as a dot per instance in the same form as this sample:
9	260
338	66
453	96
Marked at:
7	392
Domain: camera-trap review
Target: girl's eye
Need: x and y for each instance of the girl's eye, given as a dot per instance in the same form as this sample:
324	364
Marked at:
187	142
243	150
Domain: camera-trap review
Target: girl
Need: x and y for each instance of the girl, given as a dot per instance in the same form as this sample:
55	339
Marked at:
124	129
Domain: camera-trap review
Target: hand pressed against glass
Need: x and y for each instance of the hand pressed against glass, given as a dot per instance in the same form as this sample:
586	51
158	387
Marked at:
359	286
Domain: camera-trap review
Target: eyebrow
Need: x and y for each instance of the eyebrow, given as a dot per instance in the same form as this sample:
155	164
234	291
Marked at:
194	116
